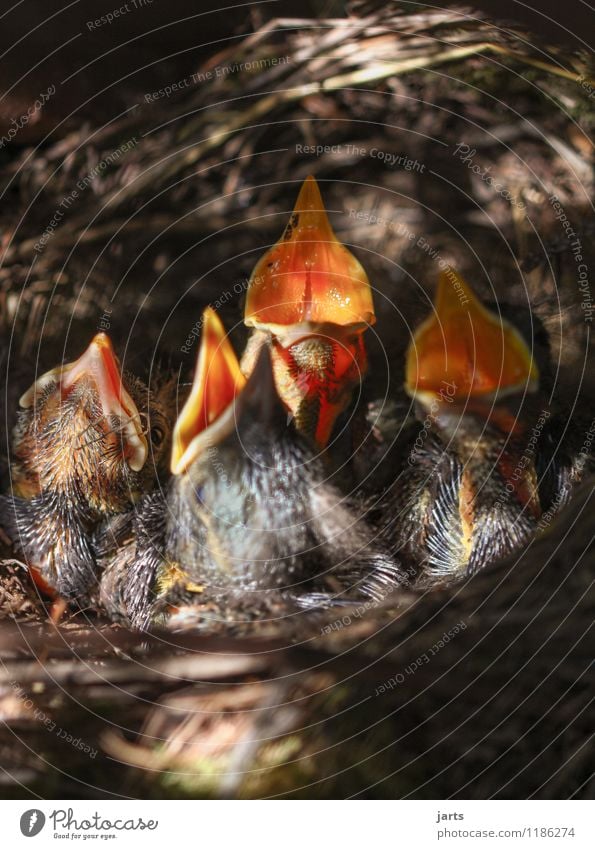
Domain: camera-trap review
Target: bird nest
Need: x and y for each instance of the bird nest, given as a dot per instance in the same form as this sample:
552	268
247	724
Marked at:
436	136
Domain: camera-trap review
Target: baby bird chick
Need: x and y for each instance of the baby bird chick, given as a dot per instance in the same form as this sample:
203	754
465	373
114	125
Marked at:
469	491
249	523
310	299
87	444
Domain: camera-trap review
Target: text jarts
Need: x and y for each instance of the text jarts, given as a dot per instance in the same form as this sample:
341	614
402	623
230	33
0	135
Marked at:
440	817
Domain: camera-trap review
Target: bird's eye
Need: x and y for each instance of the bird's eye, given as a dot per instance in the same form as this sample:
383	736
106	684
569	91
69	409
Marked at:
157	435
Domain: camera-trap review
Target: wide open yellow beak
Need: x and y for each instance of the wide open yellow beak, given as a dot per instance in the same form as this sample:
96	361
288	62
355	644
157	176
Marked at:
217	380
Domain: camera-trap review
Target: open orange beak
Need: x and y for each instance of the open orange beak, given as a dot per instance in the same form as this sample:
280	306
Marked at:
308	278
217	380
314	298
465	351
99	366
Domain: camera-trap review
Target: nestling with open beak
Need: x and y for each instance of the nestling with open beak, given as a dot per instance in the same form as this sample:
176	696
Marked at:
87	444
312	298
469	491
249	521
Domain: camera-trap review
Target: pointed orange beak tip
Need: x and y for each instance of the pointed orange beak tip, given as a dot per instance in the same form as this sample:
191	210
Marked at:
464	350
217	380
309	199
308	276
101	340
